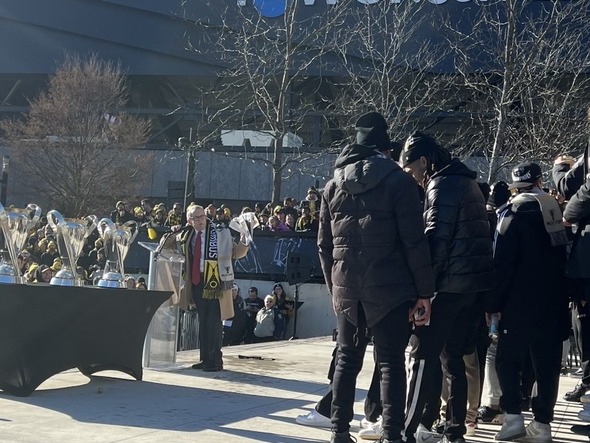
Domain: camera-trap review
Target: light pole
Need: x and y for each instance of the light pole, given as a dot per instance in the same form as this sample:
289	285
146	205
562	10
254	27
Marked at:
4	180
189	182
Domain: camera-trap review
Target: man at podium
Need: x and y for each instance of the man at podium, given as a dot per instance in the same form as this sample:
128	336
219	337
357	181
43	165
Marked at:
208	250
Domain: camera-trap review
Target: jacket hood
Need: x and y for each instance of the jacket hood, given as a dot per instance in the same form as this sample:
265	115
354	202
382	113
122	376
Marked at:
455	167
353	153
360	168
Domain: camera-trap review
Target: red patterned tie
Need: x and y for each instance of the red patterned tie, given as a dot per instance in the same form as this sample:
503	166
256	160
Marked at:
196	272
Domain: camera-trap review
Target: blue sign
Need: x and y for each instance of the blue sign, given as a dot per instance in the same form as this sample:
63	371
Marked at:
271	8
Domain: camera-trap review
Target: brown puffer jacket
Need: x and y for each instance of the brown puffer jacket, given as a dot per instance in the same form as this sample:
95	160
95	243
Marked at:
371	236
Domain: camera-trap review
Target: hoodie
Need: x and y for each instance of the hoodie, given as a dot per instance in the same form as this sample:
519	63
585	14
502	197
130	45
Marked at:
371	240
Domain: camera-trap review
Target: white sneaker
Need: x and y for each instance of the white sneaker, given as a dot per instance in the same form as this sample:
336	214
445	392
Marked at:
366	424
537	433
512	428
423	435
315	419
470	429
373	432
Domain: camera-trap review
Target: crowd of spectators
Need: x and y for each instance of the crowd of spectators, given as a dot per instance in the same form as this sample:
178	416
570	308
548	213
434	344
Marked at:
40	259
258	319
290	216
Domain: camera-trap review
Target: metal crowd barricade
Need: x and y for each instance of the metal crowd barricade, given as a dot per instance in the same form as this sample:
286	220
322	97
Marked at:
188	332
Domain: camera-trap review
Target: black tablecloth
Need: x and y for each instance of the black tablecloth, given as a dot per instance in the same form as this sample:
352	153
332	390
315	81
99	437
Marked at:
48	329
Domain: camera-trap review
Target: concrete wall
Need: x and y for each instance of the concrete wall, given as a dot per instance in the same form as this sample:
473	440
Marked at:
217	176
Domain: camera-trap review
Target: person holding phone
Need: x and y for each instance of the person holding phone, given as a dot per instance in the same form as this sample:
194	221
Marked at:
376	263
458	232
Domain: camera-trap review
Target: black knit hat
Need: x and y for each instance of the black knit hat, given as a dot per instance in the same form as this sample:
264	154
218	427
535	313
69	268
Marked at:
396	149
418	145
371	130
499	195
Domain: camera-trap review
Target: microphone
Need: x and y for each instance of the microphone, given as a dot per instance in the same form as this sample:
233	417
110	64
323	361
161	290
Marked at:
168	234
183	229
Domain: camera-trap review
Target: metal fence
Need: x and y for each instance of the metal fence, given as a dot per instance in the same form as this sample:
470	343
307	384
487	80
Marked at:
188	331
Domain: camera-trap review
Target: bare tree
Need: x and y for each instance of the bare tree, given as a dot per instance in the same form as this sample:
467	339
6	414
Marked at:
526	64
273	81
392	66
75	148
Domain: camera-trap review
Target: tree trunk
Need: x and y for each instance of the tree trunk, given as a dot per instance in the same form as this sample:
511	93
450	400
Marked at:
505	99
277	168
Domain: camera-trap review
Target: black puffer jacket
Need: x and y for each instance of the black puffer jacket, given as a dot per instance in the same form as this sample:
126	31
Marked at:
371	237
577	211
530	273
458	231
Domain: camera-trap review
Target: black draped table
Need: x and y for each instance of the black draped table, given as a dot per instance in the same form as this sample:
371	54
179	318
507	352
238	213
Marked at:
46	329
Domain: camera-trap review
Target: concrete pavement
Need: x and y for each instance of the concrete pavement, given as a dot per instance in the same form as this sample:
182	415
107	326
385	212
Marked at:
252	400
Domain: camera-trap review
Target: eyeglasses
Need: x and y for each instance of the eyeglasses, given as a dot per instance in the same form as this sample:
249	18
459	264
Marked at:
197	217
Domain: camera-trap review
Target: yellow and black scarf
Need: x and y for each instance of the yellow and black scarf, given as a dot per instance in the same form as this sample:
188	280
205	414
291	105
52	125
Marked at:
218	274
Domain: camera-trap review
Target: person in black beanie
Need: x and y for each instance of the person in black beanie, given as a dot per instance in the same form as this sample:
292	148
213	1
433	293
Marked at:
500	195
457	228
370	424
376	264
490	412
496	203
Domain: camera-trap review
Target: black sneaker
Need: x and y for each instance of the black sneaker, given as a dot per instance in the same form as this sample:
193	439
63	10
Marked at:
577	393
485	414
342	437
438	427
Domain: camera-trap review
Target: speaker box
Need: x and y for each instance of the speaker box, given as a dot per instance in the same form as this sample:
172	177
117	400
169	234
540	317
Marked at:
297	268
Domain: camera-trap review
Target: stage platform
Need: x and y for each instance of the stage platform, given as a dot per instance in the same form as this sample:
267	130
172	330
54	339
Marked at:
255	399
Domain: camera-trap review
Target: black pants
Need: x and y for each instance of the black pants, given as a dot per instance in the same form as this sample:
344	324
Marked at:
390	337
581	328
373	408
234	334
249	325
449	336
545	348
210	328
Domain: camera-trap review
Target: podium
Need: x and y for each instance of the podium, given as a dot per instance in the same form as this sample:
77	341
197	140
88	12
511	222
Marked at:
165	273
47	329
